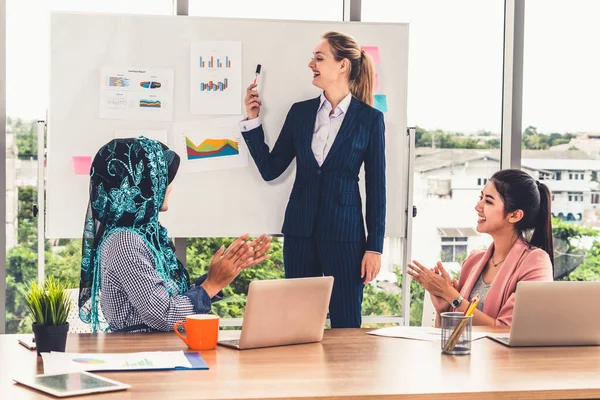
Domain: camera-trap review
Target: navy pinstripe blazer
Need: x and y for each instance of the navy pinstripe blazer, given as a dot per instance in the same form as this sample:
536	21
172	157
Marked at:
326	199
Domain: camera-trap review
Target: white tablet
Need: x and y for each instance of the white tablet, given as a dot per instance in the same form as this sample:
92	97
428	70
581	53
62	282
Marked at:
71	384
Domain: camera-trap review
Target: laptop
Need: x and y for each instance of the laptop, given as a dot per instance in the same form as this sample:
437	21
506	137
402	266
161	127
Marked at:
554	314
284	311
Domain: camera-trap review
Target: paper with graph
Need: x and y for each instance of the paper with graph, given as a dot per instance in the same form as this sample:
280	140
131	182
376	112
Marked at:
56	362
216	77
212	148
136	93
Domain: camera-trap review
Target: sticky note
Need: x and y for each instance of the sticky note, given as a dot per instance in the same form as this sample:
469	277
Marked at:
373	51
376	84
381	102
82	165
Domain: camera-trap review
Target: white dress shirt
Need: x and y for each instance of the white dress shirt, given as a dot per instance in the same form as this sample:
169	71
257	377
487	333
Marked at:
327	126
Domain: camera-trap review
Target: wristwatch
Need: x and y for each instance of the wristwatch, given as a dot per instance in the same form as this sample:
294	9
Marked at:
456	302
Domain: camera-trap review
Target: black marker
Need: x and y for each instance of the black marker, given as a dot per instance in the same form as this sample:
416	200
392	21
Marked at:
256	74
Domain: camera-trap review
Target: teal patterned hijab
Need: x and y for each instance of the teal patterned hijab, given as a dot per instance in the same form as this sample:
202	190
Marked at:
128	184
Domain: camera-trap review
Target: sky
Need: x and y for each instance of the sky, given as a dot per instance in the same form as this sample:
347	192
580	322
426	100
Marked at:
455	54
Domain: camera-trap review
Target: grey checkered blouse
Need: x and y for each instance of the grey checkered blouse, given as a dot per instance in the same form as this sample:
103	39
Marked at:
133	297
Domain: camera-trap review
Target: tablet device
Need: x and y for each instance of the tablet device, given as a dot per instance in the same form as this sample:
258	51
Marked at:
71	384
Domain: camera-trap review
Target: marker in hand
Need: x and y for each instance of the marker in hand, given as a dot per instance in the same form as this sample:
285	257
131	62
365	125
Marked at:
256	74
252	101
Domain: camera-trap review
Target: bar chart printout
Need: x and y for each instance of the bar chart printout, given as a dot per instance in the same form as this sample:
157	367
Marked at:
216	78
210	62
214	86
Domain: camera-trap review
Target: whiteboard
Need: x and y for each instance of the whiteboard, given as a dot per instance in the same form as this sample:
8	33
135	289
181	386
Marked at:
211	203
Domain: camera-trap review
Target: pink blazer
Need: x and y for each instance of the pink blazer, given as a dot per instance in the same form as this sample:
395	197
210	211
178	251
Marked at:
523	263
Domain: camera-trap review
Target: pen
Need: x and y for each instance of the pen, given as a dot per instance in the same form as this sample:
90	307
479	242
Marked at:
472	305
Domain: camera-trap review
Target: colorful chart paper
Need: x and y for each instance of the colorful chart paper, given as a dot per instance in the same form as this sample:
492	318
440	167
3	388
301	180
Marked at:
216	78
136	93
211	148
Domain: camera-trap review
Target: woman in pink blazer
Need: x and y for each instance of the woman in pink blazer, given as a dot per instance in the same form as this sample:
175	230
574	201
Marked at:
511	207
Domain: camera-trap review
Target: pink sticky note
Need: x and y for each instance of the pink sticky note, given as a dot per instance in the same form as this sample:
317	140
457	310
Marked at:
82	165
373	51
376	85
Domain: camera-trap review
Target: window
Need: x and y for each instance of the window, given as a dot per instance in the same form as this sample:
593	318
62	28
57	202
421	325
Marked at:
558	176
575	197
560	131
455	100
549	176
454	249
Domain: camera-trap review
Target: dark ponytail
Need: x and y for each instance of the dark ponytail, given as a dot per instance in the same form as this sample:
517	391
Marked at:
520	191
362	67
542	233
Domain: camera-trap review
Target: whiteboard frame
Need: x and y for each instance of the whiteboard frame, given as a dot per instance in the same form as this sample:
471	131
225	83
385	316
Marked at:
58	227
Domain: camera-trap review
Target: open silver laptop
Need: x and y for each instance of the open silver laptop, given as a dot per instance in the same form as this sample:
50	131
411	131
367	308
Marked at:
554	314
284	311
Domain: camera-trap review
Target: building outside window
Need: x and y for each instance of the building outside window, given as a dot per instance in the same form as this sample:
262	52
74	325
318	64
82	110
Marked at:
454	249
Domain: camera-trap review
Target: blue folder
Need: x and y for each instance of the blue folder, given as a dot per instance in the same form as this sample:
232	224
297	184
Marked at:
196	360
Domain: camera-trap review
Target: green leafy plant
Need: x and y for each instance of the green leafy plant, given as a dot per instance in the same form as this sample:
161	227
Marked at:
48	304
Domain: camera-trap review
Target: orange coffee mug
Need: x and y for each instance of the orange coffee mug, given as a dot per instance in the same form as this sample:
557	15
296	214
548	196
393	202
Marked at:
201	331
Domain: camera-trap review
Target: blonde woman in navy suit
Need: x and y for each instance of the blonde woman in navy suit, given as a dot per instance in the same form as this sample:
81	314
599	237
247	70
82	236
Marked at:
331	137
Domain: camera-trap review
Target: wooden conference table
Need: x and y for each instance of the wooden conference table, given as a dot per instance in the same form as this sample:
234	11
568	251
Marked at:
347	363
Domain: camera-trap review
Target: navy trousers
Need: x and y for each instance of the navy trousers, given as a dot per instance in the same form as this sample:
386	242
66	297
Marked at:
309	257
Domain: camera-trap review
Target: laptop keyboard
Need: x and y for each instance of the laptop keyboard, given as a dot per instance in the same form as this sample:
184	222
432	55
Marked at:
233	341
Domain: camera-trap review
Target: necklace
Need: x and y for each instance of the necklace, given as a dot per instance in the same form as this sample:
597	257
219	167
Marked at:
498	263
495	264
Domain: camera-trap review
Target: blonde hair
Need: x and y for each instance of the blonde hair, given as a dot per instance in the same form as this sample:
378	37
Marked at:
362	68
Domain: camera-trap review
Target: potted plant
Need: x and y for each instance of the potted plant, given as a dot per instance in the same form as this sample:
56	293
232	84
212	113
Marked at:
49	307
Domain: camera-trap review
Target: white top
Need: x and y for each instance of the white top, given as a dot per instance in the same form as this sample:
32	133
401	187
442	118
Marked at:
327	126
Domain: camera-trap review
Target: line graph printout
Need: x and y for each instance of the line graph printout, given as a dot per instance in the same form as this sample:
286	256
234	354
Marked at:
136	94
216	77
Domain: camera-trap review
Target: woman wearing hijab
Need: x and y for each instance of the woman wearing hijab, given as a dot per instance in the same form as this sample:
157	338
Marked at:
129	267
